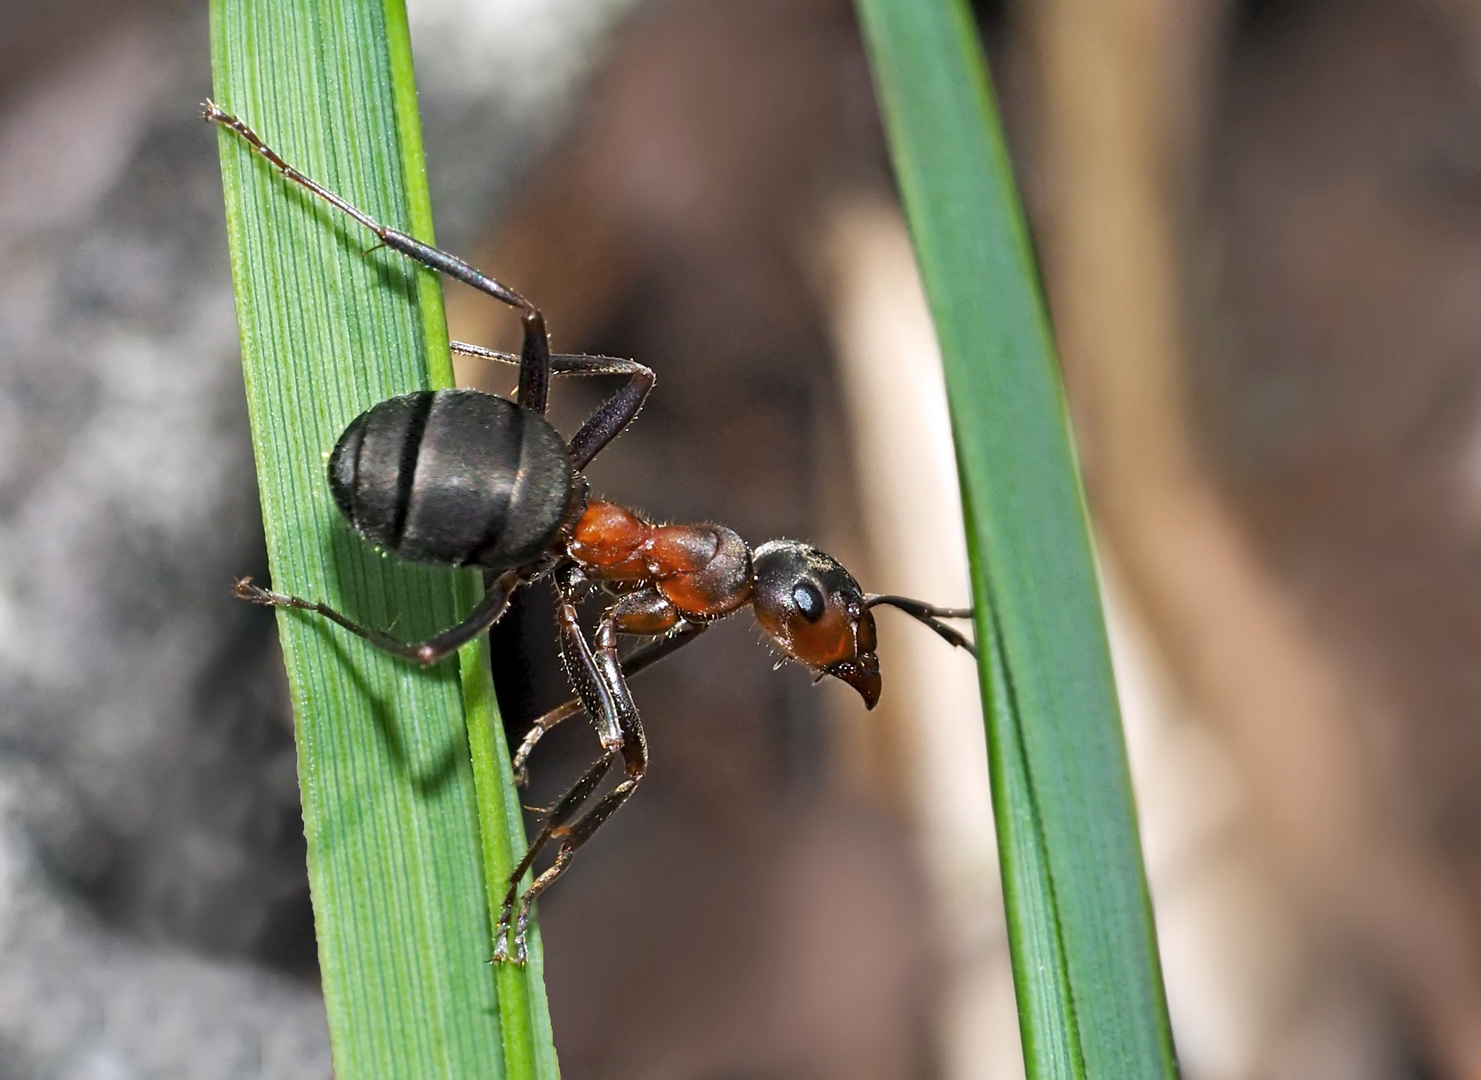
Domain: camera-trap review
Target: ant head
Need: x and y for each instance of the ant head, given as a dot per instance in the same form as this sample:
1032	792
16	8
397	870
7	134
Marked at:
814	609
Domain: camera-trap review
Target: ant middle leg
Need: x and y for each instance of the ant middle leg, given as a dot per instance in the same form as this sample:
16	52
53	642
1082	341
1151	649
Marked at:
615	413
440	645
534	372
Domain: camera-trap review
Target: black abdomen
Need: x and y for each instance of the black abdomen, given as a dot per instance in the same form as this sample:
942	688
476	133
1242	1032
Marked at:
455	477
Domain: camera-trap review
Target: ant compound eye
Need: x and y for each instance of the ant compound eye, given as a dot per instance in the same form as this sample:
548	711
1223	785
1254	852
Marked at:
809	600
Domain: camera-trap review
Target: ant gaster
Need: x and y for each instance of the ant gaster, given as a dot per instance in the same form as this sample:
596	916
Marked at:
463	478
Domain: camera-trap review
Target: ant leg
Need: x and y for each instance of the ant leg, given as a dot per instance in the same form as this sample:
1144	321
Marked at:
534	375
635	760
495	602
614	415
616	412
640	658
593	690
538	728
567	805
429	256
534	365
645	612
606	705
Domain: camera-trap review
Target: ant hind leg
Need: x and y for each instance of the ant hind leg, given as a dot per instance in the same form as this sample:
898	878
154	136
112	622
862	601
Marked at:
437	647
534	374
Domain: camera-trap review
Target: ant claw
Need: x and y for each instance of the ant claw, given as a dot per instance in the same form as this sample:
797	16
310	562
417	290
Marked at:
246	589
501	953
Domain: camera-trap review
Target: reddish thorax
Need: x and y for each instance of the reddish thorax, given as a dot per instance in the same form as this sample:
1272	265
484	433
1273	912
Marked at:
703	570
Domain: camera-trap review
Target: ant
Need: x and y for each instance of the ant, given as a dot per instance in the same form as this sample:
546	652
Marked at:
463	478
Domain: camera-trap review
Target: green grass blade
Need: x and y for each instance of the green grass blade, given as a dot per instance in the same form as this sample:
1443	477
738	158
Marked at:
1089	985
410	836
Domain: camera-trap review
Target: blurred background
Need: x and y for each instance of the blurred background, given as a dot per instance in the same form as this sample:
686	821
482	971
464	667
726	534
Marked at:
1259	223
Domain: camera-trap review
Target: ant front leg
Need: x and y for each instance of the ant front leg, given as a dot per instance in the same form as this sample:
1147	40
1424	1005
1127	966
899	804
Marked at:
635	761
495	602
534	368
638	660
604	694
596	697
554	826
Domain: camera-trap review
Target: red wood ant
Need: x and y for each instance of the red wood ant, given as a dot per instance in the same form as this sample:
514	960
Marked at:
463	478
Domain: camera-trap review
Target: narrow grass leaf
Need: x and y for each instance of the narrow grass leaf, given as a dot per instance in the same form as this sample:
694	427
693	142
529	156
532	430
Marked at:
410	835
1089	985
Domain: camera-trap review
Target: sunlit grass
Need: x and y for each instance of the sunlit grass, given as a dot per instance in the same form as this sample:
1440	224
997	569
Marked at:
409	833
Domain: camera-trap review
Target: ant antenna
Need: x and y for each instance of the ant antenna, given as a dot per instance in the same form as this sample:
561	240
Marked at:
928	614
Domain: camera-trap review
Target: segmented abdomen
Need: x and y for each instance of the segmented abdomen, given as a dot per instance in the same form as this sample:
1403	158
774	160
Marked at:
454	477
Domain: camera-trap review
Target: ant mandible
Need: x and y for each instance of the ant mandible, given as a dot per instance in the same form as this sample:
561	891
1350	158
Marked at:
463	478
